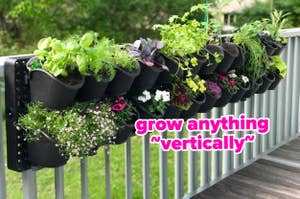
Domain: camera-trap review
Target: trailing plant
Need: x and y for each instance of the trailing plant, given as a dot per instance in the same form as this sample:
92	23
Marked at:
278	65
247	37
124	60
155	103
95	57
77	130
181	96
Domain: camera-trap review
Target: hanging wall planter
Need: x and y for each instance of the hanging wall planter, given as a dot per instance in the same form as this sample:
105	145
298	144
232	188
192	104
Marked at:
210	66
122	82
193	110
280	48
165	77
268	80
224	99
44	152
231	52
201	61
145	114
208	104
172	112
240	93
52	92
253	88
92	89
277	80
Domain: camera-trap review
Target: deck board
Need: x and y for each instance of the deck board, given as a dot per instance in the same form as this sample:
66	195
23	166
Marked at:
275	177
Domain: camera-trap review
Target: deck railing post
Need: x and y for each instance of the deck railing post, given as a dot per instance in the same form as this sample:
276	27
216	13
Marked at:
2	165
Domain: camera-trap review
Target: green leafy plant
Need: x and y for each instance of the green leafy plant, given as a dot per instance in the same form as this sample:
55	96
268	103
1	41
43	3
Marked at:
124	60
78	130
278	21
278	65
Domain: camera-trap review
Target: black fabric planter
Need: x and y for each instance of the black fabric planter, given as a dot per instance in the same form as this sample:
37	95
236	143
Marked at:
231	51
224	99
145	114
280	48
277	80
270	48
208	104
92	89
50	91
172	112
210	66
193	110
239	94
128	130
44	153
122	82
165	77
201	61
147	77
253	88
267	82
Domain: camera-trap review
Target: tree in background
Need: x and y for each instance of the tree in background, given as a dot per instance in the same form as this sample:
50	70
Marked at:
262	10
23	23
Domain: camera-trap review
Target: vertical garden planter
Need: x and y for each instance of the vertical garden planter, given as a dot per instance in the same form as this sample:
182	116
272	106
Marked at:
241	60
172	112
253	88
210	65
231	51
122	82
92	89
201	61
145	114
44	152
52	92
224	99
268	80
165	77
208	104
277	80
147	77
280	48
193	110
240	93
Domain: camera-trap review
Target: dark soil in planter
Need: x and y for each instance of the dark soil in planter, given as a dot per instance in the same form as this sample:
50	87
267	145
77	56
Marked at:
165	77
224	99
210	65
280	48
51	91
267	82
192	112
145	114
172	112
44	153
122	82
208	104
240	93
231	51
128	130
92	89
253	88
277	80
147	77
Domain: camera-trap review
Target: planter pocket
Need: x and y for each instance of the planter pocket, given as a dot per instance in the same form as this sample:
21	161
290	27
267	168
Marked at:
277	80
172	112
280	48
50	91
267	82
210	65
92	89
224	99
145	114
253	88
208	104
165	77
193	110
231	51
122	82
239	94
240	60
43	152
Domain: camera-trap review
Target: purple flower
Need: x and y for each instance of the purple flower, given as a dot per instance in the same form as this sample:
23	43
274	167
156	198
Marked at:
213	88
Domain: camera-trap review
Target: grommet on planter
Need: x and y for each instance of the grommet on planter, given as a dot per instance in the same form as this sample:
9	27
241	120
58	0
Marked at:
240	93
210	66
193	110
231	51
277	80
268	79
253	88
122	82
92	89
43	152
50	91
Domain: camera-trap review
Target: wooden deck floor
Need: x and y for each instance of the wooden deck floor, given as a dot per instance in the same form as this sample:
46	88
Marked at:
275	177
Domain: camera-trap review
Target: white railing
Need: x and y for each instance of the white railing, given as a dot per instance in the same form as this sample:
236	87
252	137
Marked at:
281	106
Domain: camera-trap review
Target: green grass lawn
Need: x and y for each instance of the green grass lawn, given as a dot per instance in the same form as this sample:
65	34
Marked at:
96	175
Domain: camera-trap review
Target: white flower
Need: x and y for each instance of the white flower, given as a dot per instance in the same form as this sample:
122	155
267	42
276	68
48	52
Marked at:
166	96
245	79
145	97
162	95
232	75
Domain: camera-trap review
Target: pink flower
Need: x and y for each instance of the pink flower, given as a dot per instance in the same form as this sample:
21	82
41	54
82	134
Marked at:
232	82
222	78
149	64
118	107
121	100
